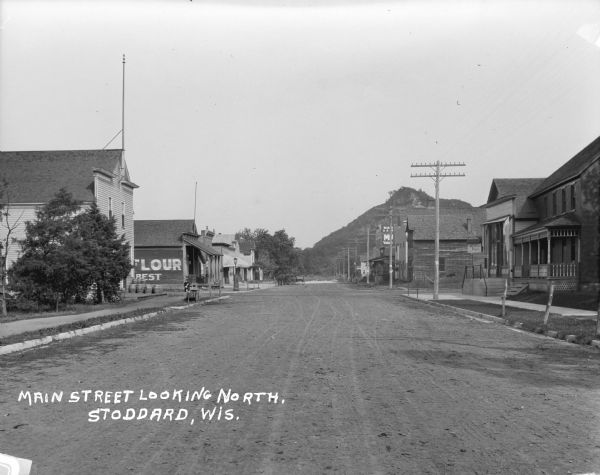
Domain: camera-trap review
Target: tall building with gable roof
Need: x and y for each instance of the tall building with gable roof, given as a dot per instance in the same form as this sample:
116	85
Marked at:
91	176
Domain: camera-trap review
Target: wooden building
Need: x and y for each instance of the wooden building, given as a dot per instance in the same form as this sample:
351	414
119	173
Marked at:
169	253
460	245
562	245
508	210
91	176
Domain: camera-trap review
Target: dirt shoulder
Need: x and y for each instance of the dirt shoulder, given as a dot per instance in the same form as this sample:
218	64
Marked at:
531	320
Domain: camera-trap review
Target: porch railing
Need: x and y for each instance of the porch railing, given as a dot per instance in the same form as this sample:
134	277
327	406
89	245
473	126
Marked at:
543	271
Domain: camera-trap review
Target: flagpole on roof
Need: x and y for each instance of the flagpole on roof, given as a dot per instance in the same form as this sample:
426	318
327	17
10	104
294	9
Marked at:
123	110
195	191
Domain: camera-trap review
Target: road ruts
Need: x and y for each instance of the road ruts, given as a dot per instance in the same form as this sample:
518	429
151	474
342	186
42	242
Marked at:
372	384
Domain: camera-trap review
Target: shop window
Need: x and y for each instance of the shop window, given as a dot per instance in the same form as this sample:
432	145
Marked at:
442	264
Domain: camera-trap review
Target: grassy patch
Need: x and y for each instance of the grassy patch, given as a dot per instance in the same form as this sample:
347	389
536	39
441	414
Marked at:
73	309
580	300
8	340
532	320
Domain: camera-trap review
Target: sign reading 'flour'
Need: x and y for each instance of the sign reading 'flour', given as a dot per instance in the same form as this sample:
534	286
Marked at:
159	266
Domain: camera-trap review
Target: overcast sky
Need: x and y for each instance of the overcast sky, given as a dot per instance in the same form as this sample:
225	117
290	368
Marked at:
301	114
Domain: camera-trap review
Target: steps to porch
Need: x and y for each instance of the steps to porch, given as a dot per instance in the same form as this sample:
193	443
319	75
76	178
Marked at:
515	288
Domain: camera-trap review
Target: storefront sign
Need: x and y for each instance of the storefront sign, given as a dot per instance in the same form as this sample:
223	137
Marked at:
159	266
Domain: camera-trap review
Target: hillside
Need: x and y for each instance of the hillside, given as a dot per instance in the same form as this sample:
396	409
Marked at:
404	199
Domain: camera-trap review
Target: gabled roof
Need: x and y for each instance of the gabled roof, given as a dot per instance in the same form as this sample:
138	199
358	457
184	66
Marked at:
226	239
517	189
453	227
572	169
502	188
162	232
36	176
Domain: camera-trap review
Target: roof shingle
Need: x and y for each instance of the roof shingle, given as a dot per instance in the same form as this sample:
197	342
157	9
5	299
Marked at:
573	168
452	226
161	232
36	176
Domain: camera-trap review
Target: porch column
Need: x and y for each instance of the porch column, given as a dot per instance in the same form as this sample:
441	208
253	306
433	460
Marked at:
522	253
529	263
185	262
539	256
549	272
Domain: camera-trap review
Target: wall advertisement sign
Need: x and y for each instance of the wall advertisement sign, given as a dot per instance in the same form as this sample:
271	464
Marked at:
159	266
388	235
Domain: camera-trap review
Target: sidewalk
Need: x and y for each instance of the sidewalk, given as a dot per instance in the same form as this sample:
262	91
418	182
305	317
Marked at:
34	324
160	301
562	311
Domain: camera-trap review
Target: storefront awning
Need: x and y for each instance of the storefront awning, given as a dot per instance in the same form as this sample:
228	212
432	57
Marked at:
211	251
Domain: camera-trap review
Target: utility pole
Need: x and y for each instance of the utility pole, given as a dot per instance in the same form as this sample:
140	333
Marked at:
348	264
391	237
368	262
438	173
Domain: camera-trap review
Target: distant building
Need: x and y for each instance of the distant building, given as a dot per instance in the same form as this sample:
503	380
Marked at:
242	262
460	244
91	176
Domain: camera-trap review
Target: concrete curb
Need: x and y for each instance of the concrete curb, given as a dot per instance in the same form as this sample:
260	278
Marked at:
26	345
490	318
458	311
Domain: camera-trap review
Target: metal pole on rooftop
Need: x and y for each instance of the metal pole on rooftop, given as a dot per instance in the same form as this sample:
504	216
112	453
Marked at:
123	109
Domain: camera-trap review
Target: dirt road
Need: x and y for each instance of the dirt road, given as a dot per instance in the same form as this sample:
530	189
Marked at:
365	383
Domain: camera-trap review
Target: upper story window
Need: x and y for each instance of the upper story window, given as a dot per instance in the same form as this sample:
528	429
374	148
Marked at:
123	214
546	213
563	200
554	205
573	198
110	207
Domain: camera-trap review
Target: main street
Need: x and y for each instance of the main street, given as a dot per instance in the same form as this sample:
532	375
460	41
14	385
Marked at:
366	382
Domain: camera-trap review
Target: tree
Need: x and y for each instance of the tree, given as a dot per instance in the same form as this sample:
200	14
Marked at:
275	254
9	224
66	251
52	265
107	254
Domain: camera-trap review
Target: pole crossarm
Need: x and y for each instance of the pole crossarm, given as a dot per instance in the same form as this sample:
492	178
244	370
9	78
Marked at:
435	175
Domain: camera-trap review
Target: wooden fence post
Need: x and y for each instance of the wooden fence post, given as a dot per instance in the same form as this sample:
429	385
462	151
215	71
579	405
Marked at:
504	298
549	304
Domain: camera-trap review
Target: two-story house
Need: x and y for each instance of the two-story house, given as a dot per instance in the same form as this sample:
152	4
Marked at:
34	177
508	210
563	244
